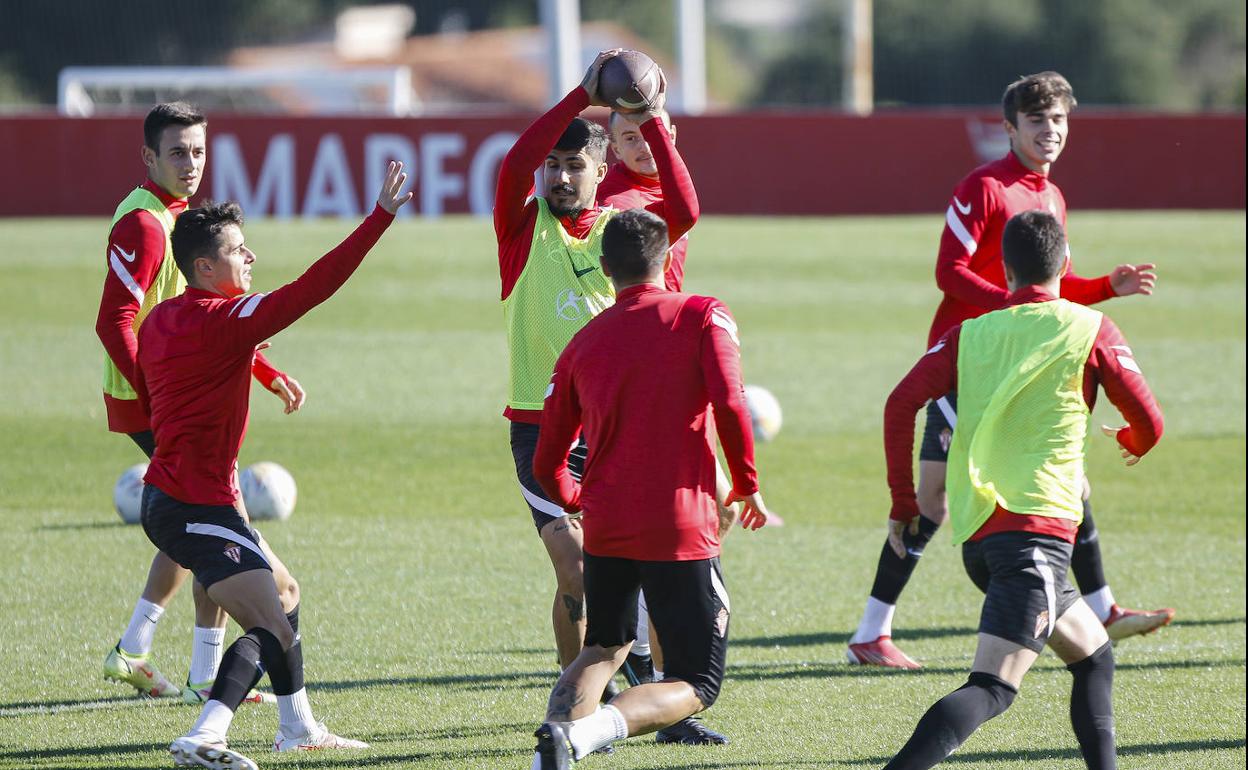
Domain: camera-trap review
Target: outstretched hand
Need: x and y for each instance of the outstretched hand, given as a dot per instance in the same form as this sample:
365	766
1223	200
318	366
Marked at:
290	392
1133	279
754	513
391	197
590	81
1131	459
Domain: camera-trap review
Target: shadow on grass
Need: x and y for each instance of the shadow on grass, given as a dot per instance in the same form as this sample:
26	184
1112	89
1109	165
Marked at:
67	752
80	525
502	681
763	671
1033	755
27	708
943	632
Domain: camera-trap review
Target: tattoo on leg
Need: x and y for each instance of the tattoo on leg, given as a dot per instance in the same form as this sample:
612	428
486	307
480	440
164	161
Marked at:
576	608
560	526
565	698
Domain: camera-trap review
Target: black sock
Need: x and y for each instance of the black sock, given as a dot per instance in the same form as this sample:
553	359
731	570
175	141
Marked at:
638	669
952	719
240	670
293	617
285	667
1092	708
1086	561
892	573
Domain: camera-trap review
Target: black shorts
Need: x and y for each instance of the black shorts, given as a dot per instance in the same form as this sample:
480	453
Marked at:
688	606
942	415
523	447
145	441
1023	577
212	541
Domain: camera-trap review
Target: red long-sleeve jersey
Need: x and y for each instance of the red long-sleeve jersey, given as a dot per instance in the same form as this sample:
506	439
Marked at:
138	240
640	380
623	189
515	211
969	267
195	355
1111	365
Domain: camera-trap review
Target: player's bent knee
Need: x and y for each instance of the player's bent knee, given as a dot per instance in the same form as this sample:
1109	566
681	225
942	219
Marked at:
998	694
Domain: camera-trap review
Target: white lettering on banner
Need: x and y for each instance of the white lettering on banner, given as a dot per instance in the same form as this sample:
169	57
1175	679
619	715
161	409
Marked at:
274	193
330	190
435	185
483	174
379	150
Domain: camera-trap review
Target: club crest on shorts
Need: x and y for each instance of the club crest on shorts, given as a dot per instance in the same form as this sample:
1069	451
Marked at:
1042	623
721	622
234	553
946	438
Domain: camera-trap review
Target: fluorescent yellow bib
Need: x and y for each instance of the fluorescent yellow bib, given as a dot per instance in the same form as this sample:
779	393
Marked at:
167	283
560	289
1022	420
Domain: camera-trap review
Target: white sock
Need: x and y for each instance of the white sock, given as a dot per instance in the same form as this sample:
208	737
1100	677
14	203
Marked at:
1101	602
877	621
295	714
206	653
658	675
642	645
537	762
213	723
138	637
588	734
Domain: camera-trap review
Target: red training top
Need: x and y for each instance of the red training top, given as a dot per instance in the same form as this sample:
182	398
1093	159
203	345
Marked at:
640	377
195	354
969	267
1110	365
515	210
624	189
139	240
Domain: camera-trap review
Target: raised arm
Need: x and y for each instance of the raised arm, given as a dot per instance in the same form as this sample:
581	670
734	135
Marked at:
679	206
1124	384
253	318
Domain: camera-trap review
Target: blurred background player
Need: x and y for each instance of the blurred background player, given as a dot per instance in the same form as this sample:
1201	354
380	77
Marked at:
552	284
638	383
970	272
1027	376
141	274
196	352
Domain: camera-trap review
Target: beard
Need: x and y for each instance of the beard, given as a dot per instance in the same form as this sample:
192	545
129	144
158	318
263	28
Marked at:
573	211
568	193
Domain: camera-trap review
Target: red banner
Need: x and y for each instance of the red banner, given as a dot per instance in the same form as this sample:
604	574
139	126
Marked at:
756	163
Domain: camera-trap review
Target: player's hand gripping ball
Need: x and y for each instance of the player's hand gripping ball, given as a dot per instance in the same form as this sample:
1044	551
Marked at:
629	81
765	414
269	491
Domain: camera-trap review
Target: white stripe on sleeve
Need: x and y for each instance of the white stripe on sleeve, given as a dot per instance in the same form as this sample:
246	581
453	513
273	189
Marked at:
959	230
124	276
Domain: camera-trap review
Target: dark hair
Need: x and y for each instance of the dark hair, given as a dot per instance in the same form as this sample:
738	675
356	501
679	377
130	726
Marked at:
169	114
1034	246
195	232
634	244
582	134
1035	93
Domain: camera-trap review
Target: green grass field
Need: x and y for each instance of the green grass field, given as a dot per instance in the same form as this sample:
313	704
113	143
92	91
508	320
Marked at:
426	592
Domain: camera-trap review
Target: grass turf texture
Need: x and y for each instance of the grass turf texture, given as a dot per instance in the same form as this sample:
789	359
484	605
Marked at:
427	594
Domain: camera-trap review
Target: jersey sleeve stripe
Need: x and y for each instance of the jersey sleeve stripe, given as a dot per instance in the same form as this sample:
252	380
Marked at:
959	231
124	276
723	321
245	306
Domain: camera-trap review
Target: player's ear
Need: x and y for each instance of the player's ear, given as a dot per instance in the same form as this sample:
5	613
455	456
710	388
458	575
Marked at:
667	260
601	173
602	262
148	155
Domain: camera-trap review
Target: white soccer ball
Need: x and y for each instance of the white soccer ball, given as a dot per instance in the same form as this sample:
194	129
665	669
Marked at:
128	493
268	491
765	414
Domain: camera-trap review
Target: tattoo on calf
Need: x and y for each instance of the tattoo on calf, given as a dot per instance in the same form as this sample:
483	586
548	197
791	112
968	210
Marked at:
576	608
563	700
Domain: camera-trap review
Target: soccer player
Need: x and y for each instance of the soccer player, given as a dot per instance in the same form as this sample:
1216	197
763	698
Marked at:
142	274
1027	377
548	248
970	272
196	353
633	182
639	383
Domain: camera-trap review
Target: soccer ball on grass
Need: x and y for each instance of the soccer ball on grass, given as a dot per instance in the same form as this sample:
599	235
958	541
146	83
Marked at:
269	491
128	493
